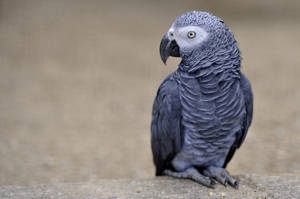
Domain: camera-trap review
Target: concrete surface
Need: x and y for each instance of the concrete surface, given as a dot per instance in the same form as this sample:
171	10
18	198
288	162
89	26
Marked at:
251	187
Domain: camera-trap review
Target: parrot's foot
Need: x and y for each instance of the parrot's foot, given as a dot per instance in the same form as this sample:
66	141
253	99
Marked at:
221	175
193	174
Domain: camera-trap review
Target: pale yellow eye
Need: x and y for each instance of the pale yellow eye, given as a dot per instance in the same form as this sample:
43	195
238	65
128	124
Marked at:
191	34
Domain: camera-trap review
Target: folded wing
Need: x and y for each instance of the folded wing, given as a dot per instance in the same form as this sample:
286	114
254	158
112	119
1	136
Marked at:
166	130
248	99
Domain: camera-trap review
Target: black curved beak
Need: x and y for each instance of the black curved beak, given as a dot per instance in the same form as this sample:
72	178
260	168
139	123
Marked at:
168	48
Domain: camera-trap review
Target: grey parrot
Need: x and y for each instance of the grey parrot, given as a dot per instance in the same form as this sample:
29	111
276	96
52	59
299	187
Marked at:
202	111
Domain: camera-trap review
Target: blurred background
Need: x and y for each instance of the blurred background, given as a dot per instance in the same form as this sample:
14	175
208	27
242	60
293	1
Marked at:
78	78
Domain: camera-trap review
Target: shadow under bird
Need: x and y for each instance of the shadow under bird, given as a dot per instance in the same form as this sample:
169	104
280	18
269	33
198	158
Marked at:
203	110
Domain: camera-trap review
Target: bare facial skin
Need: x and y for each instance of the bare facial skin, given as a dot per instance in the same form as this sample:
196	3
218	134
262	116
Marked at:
188	37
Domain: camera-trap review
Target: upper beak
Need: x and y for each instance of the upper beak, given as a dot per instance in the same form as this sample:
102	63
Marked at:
168	47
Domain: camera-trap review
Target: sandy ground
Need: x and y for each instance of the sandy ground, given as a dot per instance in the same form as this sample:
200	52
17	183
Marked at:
77	81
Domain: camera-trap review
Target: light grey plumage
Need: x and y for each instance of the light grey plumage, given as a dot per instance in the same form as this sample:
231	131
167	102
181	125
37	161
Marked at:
203	110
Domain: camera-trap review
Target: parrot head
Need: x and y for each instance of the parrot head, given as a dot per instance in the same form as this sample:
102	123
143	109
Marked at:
195	36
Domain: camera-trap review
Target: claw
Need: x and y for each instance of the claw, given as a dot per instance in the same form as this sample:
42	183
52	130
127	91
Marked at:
212	183
235	185
225	184
193	174
221	175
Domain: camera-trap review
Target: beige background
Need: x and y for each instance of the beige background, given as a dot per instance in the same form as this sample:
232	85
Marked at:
77	81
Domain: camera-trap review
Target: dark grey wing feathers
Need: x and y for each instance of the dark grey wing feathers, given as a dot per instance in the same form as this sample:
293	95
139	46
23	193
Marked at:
248	99
166	133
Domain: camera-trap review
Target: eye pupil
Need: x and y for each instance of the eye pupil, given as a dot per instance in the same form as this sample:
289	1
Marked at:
191	34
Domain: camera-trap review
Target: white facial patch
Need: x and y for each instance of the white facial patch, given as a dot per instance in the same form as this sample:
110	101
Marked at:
189	36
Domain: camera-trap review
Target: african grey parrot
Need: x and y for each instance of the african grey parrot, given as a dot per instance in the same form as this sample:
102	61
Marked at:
203	110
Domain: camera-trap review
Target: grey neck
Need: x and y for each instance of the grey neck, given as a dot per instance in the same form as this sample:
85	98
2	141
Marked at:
204	63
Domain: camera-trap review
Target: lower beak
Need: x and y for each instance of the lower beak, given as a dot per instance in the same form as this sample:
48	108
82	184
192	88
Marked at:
168	48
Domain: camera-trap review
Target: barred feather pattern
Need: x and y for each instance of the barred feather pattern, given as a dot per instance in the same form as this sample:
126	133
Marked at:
213	108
